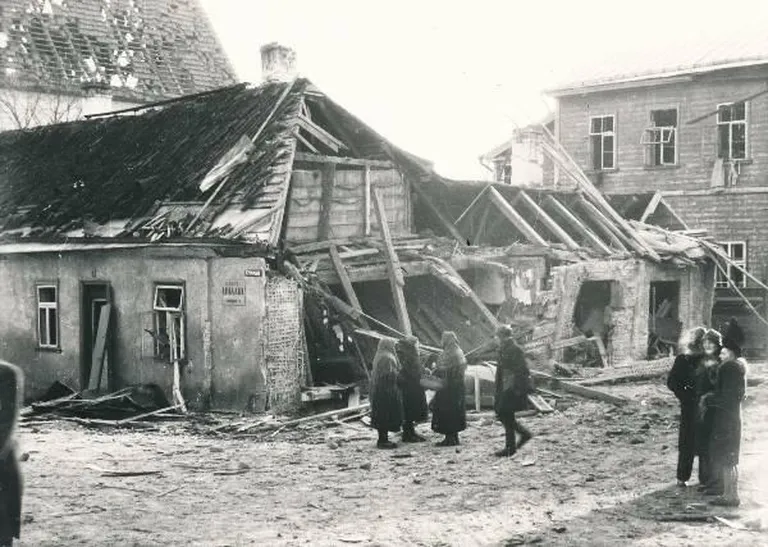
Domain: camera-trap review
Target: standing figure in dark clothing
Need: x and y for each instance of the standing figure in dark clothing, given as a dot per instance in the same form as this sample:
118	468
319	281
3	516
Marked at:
726	428
682	382
11	393
449	407
513	384
706	376
386	398
414	399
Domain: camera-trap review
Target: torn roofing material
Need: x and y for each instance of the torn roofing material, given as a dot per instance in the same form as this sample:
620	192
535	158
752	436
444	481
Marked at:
138	51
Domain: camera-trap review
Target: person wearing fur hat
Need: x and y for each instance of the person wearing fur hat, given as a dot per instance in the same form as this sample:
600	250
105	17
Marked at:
414	399
513	384
706	375
682	382
449	407
386	397
726	400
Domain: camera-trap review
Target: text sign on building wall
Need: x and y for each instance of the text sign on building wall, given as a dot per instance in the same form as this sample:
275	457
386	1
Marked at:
233	293
254	272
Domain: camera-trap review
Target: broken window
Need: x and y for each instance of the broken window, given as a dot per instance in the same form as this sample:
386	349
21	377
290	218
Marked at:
737	252
47	316
169	333
660	140
602	142
732	131
502	168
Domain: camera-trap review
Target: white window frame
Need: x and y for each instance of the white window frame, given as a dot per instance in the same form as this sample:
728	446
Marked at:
46	308
171	314
602	134
662	136
720	281
730	124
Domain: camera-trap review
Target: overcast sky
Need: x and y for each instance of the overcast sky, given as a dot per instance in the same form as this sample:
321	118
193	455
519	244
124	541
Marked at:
448	80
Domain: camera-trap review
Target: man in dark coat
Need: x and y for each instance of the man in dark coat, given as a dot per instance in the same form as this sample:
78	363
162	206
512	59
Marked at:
513	384
11	393
414	399
386	398
725	443
449	406
682	382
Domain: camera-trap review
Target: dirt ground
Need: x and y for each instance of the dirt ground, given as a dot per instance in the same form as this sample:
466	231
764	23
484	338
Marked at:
594	475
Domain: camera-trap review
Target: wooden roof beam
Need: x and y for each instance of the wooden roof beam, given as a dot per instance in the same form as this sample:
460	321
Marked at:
652	206
577	226
357	162
320	134
548	221
603	223
516	219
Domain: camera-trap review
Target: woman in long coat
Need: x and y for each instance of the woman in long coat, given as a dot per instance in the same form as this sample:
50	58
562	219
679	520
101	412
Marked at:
11	392
449	412
682	382
386	398
706	376
513	384
414	399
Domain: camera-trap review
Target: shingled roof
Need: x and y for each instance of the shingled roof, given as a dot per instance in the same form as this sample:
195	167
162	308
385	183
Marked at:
138	50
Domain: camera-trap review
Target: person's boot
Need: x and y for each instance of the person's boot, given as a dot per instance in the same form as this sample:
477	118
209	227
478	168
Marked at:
444	442
384	441
525	436
730	497
509	445
452	439
410	435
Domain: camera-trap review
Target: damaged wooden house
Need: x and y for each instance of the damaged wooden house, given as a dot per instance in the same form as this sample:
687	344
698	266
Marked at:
236	246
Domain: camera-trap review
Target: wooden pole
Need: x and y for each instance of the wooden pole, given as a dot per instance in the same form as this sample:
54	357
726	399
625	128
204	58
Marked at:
577	226
178	398
515	219
367	199
548	221
346	283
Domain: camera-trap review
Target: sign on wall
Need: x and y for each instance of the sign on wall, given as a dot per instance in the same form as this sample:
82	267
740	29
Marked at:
233	293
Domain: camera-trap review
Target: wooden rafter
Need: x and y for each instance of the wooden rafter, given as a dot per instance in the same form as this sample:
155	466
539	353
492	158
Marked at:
337	126
548	221
651	208
516	219
346	283
576	225
601	222
320	134
318	158
449	226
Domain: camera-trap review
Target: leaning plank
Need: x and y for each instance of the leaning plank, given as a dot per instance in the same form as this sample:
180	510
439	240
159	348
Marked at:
516	219
320	134
603	223
577	226
393	265
651	208
568	342
331	413
539	403
577	389
358	162
548	221
100	348
346	284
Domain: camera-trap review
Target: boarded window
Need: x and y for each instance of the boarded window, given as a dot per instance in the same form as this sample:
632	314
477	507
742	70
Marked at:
169	335
732	131
660	139
47	316
737	252
602	142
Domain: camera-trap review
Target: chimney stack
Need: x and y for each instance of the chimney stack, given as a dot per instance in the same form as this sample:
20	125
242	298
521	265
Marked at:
278	63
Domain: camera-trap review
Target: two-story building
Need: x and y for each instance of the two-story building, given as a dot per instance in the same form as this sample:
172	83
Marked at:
698	133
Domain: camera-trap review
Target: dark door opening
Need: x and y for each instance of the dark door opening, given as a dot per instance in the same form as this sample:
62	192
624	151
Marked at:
95	295
664	326
593	317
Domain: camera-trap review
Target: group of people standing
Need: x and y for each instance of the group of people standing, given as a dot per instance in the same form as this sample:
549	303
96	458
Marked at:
709	380
398	398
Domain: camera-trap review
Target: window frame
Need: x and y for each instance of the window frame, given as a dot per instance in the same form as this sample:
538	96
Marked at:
603	135
40	305
655	147
730	124
169	314
722	283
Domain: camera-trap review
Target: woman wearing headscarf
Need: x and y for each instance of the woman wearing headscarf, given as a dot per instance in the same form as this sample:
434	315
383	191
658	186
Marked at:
414	399
11	393
513	384
449	412
385	396
706	377
682	382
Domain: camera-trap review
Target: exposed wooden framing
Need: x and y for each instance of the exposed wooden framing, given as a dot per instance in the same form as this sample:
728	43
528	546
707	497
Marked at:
321	134
673	214
617	238
359	162
346	283
514	217
306	143
577	226
336	125
393	265
471	206
480	232
319	245
444	220
651	208
367	199
548	221
583	391
326	201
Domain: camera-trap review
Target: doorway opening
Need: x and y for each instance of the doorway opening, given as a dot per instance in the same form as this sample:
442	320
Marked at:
664	325
95	297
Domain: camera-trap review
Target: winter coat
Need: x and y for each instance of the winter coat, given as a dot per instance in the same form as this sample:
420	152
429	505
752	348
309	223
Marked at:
705	378
513	381
11	390
386	398
682	379
414	399
725	442
449	414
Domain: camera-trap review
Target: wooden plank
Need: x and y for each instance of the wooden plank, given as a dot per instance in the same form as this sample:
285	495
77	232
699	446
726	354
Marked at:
515	219
100	348
671	211
538	402
568	342
320	134
576	389
358	162
306	143
602	223
393	266
326	201
480	232
346	284
577	226
549	222
367	200
651	208
449	226
601	350
470	208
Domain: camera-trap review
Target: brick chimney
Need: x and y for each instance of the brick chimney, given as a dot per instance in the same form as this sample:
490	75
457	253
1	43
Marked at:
278	63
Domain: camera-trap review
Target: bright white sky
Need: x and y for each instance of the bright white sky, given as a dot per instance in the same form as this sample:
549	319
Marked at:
448	80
